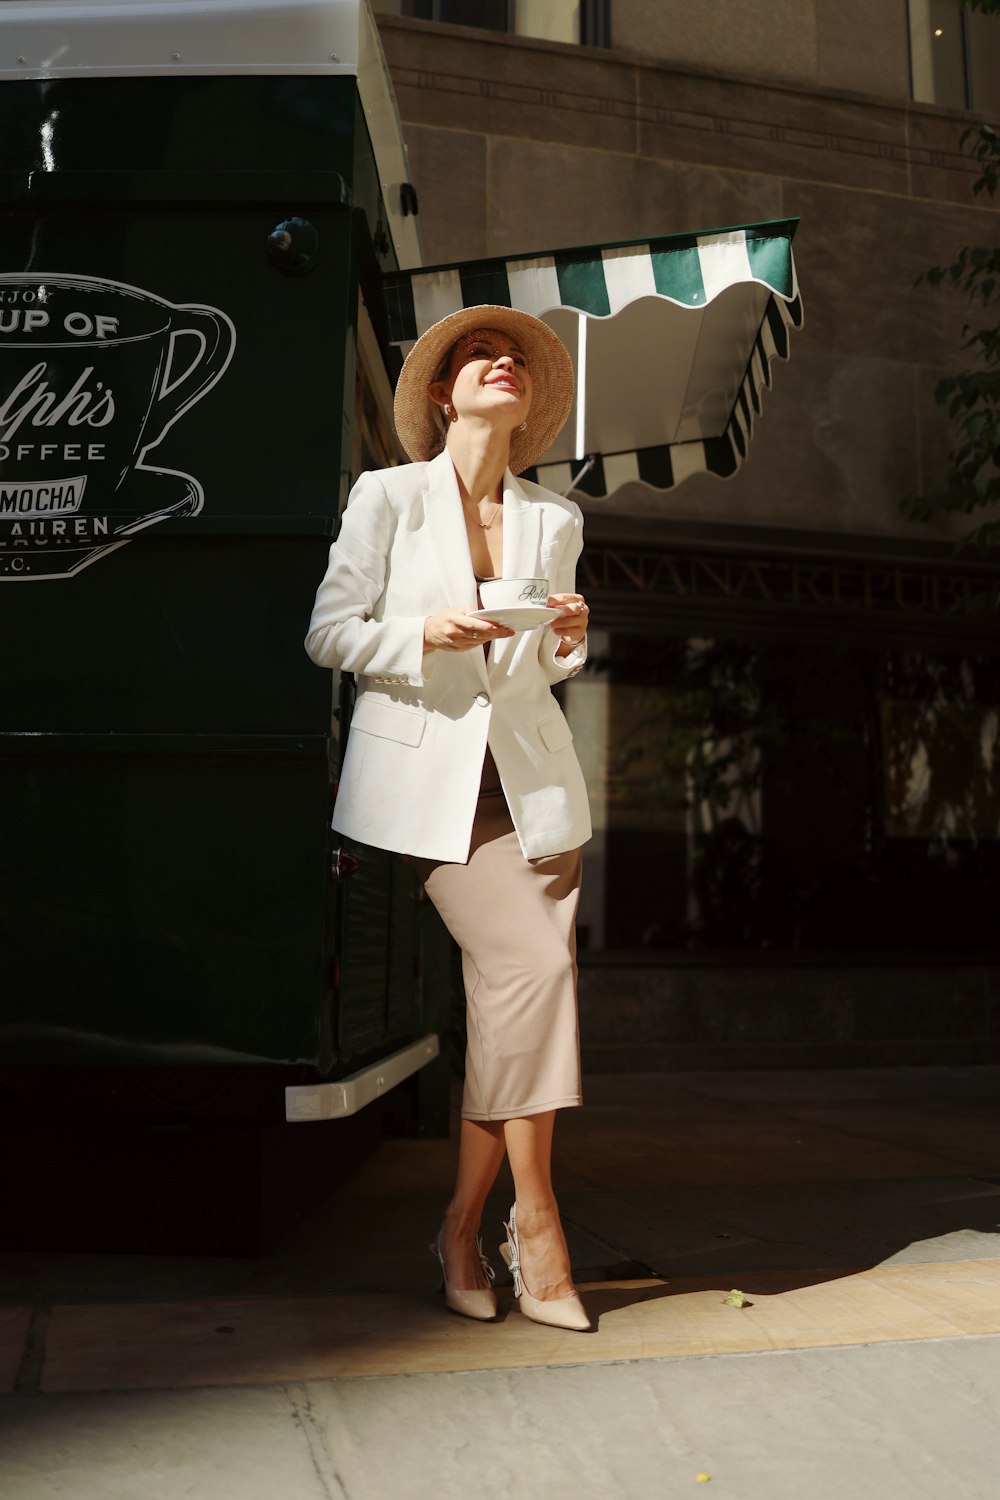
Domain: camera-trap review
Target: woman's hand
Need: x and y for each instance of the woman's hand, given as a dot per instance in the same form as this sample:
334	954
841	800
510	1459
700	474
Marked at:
454	630
571	626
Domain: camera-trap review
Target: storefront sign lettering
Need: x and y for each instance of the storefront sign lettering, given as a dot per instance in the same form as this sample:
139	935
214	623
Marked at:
857	586
93	374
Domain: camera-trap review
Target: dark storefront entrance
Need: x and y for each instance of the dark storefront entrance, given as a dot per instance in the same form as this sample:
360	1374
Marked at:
793	764
803	750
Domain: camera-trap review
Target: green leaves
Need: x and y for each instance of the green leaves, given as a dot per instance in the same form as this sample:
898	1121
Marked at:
972	397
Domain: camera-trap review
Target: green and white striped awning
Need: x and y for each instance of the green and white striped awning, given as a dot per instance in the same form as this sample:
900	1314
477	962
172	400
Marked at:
672	341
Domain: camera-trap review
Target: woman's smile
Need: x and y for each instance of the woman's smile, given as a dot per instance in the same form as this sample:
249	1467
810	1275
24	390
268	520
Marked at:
504	380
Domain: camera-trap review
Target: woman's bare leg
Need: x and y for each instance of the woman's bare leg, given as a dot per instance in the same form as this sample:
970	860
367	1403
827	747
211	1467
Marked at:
480	1154
544	1254
545	1264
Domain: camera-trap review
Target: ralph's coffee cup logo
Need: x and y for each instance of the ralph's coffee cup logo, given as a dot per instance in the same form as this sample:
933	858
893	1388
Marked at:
514	593
92	375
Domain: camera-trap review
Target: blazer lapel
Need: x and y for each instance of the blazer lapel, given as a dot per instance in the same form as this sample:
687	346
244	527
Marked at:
522	531
450	540
450	543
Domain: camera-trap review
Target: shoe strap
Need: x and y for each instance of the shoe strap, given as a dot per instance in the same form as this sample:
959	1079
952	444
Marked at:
435	1248
514	1265
484	1261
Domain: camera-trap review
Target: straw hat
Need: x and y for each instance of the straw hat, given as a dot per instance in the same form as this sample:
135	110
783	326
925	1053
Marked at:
418	419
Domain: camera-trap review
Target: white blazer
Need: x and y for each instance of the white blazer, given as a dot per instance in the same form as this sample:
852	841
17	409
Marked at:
421	723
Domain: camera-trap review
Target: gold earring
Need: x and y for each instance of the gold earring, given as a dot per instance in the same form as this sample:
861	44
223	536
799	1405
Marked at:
523	427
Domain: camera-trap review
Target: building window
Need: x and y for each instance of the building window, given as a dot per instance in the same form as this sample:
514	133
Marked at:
375	445
487	15
983	49
581	21
954	56
795	796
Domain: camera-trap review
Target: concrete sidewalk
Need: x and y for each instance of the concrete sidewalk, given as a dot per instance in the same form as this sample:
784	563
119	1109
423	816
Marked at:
858	1212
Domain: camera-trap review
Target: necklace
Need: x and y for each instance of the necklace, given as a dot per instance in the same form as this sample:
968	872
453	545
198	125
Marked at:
488	525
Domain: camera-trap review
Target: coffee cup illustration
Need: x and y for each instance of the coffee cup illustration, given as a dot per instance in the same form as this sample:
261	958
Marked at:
93	374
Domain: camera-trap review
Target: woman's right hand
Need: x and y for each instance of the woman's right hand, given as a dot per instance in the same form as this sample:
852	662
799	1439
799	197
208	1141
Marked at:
454	630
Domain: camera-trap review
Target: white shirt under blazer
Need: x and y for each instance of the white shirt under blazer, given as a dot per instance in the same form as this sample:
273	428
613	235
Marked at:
421	723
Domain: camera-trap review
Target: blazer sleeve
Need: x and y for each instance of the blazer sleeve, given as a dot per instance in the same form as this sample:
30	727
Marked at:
342	633
563	581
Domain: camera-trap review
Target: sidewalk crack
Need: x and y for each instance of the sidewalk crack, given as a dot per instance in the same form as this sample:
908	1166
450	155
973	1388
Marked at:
305	1420
29	1375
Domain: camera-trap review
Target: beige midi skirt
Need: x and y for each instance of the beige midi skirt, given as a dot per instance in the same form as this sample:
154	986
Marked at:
515	922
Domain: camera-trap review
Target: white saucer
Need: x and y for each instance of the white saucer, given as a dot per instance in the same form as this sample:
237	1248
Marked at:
518	616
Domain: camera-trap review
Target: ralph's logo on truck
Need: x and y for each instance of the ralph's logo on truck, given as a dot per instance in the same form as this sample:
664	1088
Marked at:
42	499
93	374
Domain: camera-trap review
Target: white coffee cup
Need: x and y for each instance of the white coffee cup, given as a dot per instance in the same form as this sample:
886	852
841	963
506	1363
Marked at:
514	593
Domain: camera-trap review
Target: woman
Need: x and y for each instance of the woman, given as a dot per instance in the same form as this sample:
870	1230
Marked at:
459	756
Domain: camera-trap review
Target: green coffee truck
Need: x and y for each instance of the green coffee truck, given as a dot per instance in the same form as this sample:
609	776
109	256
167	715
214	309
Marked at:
203	1022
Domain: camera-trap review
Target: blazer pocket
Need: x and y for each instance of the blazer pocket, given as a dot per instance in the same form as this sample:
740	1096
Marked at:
389	721
555	733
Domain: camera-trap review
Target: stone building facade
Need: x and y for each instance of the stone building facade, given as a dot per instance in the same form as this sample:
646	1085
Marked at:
791	724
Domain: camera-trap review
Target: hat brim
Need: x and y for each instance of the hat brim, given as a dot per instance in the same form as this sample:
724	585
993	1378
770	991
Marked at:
418	419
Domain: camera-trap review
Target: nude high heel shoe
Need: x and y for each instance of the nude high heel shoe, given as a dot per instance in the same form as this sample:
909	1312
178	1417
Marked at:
557	1312
479	1302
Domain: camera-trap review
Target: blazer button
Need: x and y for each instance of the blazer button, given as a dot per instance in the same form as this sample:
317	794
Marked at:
483	699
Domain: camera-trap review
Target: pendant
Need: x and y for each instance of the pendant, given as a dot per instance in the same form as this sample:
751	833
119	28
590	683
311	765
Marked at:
488	525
